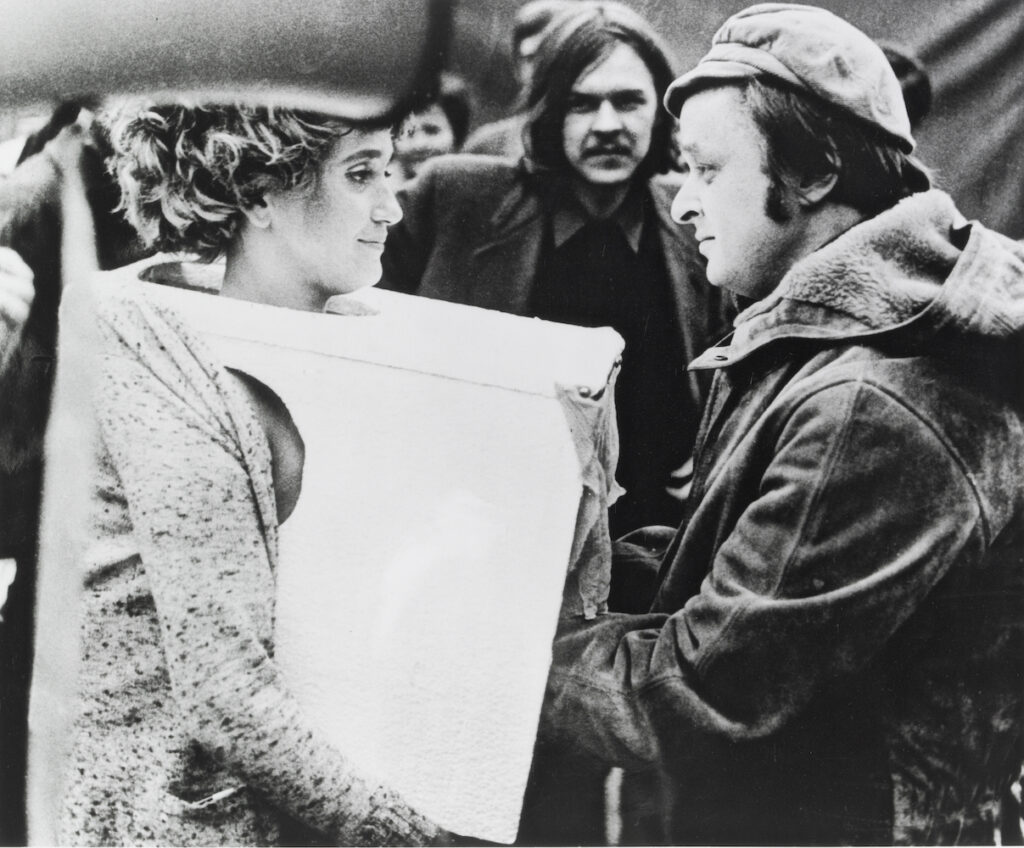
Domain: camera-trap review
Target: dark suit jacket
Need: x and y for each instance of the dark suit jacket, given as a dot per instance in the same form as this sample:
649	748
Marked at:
473	232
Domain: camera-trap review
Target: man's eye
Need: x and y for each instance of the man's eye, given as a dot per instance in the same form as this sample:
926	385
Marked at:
703	172
629	102
580	105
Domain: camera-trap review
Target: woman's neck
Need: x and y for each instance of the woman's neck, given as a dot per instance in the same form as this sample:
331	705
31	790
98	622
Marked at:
258	271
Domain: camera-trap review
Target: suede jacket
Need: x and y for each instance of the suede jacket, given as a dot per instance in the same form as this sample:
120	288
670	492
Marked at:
834	653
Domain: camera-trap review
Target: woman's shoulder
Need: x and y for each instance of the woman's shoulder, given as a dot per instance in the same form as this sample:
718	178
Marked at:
120	295
133	322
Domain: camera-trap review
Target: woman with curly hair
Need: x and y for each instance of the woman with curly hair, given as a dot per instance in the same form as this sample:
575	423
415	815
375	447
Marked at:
186	733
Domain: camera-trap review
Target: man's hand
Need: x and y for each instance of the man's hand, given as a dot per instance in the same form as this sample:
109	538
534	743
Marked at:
16	294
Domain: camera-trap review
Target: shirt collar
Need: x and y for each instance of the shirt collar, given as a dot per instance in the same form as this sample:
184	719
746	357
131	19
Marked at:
570	217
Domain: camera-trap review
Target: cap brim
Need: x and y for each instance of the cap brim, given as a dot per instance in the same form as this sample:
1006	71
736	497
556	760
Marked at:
731	62
704	75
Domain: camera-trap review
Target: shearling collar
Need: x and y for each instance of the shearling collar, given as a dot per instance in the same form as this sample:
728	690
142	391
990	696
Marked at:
919	262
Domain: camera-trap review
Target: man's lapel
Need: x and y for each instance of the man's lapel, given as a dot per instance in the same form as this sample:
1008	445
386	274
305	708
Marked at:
505	263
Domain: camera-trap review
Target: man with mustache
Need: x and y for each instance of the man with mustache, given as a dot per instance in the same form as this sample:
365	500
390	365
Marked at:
579	231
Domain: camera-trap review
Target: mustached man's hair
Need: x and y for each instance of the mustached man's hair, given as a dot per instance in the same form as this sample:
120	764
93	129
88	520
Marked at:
575	45
807	139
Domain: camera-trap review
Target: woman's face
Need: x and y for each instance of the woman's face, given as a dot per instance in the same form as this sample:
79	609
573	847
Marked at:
332	235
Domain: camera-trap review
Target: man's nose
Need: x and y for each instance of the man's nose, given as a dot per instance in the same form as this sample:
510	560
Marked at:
684	206
607	118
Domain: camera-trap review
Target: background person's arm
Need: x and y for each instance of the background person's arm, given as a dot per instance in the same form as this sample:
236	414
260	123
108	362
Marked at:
16	295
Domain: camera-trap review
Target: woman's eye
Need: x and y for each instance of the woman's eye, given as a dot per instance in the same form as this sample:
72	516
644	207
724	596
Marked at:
361	176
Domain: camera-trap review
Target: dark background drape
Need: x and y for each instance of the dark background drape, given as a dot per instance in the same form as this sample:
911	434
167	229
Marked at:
973	49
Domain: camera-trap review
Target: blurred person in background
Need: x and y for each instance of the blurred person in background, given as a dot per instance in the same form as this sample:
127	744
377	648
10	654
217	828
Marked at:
532	20
437	128
63	162
16	295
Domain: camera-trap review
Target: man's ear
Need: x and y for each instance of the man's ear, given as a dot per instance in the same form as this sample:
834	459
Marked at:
814	189
258	213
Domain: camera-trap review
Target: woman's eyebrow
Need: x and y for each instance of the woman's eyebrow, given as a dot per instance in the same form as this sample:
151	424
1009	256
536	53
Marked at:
367	153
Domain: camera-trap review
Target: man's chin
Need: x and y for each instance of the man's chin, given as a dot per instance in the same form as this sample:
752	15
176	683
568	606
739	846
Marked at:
716	277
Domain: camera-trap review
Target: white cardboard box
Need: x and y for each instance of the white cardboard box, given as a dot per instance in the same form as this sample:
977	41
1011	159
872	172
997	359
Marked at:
422	571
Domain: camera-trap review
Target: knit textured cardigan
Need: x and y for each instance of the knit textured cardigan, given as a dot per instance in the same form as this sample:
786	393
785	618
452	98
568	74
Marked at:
180	696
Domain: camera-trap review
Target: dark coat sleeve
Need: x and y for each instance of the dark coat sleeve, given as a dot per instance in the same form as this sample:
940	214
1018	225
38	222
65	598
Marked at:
826	562
30	223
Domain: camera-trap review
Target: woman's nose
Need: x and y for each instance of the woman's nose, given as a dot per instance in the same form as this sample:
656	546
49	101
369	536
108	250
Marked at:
387	211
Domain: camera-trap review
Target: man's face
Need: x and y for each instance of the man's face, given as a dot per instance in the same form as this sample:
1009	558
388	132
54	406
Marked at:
725	192
610	118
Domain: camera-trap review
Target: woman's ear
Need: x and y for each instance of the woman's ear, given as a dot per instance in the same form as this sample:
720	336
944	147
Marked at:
258	213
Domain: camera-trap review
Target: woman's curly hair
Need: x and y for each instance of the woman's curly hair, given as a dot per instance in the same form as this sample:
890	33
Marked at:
187	172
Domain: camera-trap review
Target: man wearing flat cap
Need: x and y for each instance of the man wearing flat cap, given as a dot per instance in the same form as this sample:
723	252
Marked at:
834	651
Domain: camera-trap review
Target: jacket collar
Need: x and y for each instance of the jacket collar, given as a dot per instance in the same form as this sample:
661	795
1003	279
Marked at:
919	264
524	206
569	218
511	249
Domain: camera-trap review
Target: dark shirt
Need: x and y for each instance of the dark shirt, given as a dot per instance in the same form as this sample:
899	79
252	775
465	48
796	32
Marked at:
611	273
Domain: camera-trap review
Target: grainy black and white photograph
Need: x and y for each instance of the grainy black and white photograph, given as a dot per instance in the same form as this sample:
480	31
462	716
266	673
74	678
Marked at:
511	422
